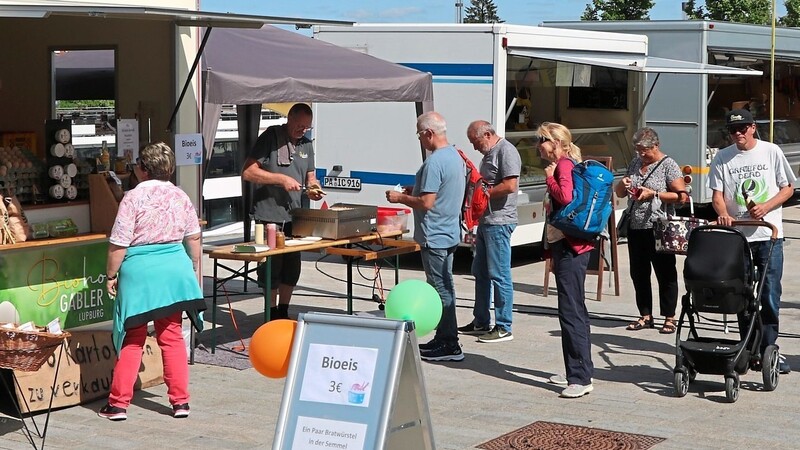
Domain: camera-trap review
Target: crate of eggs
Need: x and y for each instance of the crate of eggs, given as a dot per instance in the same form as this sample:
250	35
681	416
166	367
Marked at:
20	170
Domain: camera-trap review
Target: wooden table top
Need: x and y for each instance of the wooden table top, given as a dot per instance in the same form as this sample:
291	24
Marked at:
226	251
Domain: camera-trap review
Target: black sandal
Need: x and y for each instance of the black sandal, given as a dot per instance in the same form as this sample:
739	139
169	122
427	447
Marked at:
641	324
668	327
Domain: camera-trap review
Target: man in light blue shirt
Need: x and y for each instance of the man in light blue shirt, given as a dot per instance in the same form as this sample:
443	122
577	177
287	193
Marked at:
436	200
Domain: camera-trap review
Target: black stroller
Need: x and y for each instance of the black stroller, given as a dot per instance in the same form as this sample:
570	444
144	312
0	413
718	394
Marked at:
720	279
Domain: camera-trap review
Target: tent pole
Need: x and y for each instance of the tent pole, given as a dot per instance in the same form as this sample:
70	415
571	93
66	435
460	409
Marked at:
189	78
248	119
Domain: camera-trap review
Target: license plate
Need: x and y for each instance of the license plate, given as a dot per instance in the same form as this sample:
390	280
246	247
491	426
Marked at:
342	183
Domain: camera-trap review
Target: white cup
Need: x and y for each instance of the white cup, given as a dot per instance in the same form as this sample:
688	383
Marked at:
65	181
56	172
69	151
71	192
56	191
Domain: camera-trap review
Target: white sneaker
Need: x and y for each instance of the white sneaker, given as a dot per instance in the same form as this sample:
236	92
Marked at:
576	390
561	381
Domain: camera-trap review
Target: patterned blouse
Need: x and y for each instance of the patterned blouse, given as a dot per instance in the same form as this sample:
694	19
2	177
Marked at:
659	181
154	212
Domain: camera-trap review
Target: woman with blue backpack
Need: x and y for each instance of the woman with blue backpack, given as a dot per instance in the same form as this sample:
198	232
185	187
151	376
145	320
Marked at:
570	259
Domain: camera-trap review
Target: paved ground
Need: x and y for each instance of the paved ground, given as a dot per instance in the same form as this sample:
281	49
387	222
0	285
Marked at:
496	389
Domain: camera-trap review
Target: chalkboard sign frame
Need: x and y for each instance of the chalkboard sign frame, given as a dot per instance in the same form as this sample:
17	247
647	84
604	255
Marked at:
395	416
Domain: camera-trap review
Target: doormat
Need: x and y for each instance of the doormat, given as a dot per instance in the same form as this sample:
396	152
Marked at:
558	436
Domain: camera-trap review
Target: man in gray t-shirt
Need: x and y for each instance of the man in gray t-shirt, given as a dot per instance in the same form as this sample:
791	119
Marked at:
491	266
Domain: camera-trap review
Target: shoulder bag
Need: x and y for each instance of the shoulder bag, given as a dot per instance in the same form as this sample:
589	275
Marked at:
624	223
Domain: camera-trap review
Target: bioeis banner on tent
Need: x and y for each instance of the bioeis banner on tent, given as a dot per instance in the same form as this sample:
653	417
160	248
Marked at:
68	282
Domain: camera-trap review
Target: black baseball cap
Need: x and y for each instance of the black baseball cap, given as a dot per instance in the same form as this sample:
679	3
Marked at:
739	117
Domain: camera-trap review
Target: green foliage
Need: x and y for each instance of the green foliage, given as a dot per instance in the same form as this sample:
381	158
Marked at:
693	11
482	11
792	17
618	10
741	11
80	104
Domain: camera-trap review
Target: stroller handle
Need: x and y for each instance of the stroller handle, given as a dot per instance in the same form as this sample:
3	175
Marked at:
757	223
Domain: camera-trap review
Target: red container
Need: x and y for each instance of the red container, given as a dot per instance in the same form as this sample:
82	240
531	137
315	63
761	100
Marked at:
392	219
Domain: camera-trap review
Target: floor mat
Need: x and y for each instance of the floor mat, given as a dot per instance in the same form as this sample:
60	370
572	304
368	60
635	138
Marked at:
558	436
227	355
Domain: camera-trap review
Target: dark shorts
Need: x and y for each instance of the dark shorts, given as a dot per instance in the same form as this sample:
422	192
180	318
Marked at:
285	268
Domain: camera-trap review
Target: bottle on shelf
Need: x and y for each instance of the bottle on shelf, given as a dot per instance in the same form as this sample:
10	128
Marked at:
105	157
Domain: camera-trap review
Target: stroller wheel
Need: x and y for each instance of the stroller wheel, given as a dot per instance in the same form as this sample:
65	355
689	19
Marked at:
770	368
681	382
732	388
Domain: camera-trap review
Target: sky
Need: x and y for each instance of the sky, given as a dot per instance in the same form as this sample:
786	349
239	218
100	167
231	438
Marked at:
518	12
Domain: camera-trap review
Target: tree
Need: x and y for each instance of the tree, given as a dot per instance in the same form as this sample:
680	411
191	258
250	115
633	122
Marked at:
741	11
692	11
792	17
482	11
618	10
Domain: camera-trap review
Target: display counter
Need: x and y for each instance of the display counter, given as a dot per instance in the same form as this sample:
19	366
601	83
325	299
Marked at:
62	278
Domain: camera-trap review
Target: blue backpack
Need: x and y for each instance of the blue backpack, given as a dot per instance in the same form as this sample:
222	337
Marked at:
586	216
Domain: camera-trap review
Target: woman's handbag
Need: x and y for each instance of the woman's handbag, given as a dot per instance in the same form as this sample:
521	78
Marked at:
624	223
672	233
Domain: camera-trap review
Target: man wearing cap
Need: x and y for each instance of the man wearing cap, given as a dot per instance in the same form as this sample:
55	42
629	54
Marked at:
750	180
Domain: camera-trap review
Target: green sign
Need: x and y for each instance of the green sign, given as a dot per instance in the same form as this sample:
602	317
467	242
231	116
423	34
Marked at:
68	282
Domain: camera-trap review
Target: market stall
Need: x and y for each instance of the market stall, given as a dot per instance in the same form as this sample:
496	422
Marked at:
250	67
132	61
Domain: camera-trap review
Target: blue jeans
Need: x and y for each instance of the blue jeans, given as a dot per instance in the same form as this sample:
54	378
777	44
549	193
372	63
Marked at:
438	266
771	293
491	268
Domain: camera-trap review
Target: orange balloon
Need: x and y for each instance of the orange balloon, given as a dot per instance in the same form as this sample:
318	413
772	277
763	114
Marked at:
271	347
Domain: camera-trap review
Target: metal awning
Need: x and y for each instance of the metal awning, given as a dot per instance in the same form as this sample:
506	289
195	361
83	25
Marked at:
631	62
181	17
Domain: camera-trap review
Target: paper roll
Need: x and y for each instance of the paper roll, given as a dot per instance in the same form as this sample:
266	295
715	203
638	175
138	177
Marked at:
57	150
56	172
259	233
56	191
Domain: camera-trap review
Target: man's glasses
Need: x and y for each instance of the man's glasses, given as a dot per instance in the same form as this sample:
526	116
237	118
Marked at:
421	132
733	129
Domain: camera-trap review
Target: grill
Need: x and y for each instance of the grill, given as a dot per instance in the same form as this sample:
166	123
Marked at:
341	220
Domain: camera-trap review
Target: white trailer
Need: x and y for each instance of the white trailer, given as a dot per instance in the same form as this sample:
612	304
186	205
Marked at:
513	76
688	111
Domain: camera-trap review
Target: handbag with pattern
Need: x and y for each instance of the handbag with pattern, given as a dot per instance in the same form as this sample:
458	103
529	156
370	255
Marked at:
672	232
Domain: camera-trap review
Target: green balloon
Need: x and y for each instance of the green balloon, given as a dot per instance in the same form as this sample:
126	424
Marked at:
418	301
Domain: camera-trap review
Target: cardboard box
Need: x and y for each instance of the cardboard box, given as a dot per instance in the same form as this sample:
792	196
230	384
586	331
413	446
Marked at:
84	373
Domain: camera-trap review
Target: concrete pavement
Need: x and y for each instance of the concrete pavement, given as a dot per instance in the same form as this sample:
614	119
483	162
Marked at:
498	388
